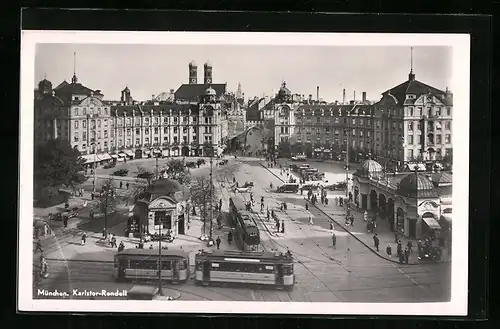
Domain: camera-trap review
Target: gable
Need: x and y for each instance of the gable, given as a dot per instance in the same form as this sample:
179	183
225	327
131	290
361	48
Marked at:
162	203
91	101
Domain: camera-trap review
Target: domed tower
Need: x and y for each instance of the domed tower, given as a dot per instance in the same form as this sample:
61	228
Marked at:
284	94
193	73
44	86
207	73
209	96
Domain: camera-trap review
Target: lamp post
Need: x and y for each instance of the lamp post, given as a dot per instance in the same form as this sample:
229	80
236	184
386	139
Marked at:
347	155
160	290
95	166
211	193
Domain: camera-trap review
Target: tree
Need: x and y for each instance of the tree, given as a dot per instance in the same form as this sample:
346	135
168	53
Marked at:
203	196
177	170
107	202
143	173
57	164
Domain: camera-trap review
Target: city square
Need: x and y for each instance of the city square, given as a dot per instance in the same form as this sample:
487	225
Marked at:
138	178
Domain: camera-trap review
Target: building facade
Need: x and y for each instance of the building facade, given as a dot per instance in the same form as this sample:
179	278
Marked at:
411	122
180	128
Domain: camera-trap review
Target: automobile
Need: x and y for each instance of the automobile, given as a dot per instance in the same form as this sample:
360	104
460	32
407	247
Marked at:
338	186
248	184
110	165
288	187
145	293
121	172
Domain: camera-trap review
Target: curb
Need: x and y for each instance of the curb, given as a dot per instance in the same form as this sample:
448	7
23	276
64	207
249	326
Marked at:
355	237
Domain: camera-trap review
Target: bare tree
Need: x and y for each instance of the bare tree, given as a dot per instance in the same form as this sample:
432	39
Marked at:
107	202
202	198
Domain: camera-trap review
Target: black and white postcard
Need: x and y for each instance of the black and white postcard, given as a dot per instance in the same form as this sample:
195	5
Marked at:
278	173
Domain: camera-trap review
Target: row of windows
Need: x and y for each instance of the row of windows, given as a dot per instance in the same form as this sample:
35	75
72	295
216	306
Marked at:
442	152
246	267
431	125
151	264
436	111
430	139
120	123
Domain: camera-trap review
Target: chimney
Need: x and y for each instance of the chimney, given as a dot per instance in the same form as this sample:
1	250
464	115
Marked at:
153	97
364	97
354	99
310	98
351	102
343	96
317	93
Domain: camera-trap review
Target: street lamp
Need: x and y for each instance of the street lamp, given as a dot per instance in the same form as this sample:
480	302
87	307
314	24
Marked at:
160	290
211	193
347	155
95	166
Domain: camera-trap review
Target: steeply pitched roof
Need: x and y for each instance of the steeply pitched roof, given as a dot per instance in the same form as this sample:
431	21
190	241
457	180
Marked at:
62	84
192	92
412	86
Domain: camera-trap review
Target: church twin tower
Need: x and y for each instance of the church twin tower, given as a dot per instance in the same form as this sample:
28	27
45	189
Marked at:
193	73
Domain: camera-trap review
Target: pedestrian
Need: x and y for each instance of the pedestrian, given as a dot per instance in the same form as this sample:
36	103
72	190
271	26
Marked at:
220	204
91	214
331	226
388	250
113	242
127	185
419	248
121	184
268	214
400	248
407	255
65	221
401	257
282	226
307	206
334	240
218	241
277	226
409	245
326	201
376	241
310	220
39	246
84	239
230	237
352	220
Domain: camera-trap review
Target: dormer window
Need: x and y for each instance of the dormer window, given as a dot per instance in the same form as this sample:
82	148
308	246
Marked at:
410	96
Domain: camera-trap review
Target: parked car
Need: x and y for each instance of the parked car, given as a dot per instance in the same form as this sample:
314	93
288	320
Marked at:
248	184
110	165
288	187
121	172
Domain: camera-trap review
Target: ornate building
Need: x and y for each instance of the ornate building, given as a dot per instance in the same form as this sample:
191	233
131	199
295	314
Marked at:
413	203
128	129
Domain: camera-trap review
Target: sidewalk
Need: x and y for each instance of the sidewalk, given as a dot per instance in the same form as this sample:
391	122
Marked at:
359	231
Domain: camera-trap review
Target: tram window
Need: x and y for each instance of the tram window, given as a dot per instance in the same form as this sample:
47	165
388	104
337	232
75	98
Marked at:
287	269
199	265
244	267
166	265
183	264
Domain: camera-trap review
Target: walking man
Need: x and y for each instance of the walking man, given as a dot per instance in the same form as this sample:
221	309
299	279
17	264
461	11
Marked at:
334	240
84	239
376	241
310	220
218	242
127	185
407	255
121	184
307	206
282	226
277	226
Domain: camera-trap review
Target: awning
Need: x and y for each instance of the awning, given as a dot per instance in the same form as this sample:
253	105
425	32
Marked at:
104	157
317	150
165	153
90	158
114	156
121	155
129	153
432	223
326	150
411	166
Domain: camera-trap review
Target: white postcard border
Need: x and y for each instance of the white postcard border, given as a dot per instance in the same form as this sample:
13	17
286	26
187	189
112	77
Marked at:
460	44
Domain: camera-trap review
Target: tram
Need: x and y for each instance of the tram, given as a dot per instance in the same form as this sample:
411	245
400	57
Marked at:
142	264
239	267
247	235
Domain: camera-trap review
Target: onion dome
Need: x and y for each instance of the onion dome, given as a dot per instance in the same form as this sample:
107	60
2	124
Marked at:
284	90
193	64
210	92
370	168
417	186
208	64
45	85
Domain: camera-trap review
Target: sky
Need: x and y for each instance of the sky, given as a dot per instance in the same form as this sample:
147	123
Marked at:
151	69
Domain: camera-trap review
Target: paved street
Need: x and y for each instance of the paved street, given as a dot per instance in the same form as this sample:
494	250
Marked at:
349	273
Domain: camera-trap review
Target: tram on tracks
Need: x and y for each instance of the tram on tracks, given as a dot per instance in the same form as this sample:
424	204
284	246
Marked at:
247	235
142	264
239	267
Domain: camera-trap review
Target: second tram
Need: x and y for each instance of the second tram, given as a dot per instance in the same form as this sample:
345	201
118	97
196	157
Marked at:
247	235
256	268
